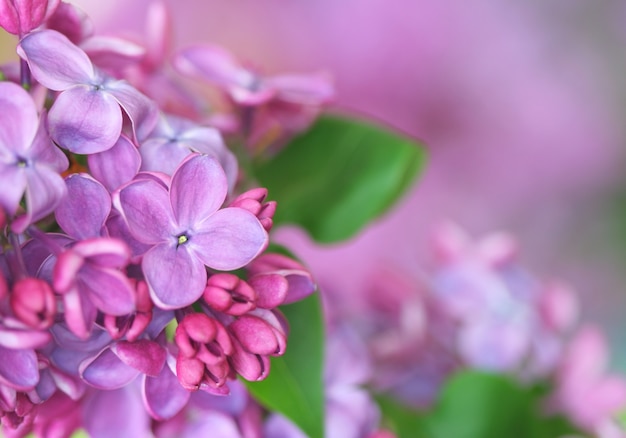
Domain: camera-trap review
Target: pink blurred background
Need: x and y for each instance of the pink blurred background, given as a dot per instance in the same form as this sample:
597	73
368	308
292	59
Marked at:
521	105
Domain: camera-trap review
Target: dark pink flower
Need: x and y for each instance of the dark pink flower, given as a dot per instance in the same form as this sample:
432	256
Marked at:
21	16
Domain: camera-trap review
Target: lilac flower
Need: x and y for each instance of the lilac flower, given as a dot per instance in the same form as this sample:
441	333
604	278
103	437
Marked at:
29	162
88	275
188	230
86	116
21	16
245	86
270	106
175	138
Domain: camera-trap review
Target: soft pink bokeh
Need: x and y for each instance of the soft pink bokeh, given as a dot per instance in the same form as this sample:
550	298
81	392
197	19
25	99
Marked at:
514	100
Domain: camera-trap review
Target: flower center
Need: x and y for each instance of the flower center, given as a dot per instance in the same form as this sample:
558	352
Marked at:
182	239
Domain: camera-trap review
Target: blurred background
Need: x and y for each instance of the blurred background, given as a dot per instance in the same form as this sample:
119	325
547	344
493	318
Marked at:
521	106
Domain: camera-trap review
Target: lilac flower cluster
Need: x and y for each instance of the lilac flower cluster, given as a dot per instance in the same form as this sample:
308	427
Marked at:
478	308
133	266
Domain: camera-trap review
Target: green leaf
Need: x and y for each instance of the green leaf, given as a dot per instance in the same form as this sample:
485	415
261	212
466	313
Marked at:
294	386
339	176
475	404
403	421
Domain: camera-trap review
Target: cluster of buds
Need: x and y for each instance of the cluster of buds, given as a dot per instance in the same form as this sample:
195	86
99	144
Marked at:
130	258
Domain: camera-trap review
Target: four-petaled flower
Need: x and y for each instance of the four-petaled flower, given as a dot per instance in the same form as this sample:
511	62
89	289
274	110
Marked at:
188	230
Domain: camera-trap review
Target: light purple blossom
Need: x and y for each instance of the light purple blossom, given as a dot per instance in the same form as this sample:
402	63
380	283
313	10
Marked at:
175	138
29	163
188	230
86	116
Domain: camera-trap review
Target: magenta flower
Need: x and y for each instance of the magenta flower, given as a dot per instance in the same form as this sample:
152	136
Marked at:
21	16
89	277
188	230
86	116
29	162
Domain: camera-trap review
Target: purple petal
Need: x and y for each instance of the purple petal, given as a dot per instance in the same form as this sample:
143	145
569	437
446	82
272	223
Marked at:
229	239
115	166
119	229
109	290
80	313
278	426
209	141
107	371
22	338
19	368
144	355
54	61
211	63
43	150
142	112
108	52
163	395
85	120
44	190
314	89
162	155
301	285
103	252
176	278
198	190
83	212
19	120
13	183
145	206
119	413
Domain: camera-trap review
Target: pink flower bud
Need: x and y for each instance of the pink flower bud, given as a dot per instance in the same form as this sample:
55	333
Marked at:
204	342
193	330
252	200
252	367
33	302
257	336
299	280
229	294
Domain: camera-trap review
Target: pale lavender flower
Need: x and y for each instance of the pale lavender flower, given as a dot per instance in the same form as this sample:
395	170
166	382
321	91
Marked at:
175	138
29	162
188	230
270	106
217	66
86	116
